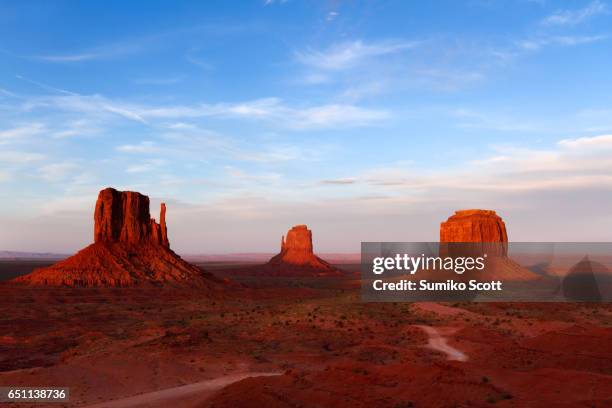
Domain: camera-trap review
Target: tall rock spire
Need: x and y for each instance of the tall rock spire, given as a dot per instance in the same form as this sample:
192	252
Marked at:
162	223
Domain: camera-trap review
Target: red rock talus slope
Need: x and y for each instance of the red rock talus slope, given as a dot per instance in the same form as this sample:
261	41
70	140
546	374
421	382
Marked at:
130	249
488	229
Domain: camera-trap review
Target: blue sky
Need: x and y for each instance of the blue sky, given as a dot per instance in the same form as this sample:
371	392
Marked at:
365	120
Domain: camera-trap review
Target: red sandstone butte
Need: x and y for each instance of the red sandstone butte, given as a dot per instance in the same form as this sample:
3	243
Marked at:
297	255
130	249
473	226
487	228
123	216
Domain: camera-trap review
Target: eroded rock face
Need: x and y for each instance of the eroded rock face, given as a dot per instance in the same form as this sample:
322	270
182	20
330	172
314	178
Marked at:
297	247
473	226
129	249
483	232
123	216
297	255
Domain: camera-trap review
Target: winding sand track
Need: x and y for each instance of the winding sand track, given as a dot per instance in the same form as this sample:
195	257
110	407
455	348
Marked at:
171	396
439	343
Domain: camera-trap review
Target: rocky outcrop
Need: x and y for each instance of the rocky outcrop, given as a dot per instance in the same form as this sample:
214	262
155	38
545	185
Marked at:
473	226
474	233
130	249
296	249
123	216
297	257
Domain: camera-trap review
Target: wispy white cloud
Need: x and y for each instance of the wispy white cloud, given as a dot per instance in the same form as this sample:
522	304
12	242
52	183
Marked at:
21	132
140	44
46	87
200	62
275	154
159	81
20	157
598	143
77	128
564	41
121	48
335	116
448	79
56	172
571	164
146	166
339	182
315	78
93	105
146	146
350	54
269	109
273	109
331	16
185	141
270	2
357	92
6	93
472	119
262	177
574	17
70	57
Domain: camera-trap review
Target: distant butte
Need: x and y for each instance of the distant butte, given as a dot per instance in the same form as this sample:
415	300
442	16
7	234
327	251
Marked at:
296	250
473	226
295	259
487	228
130	249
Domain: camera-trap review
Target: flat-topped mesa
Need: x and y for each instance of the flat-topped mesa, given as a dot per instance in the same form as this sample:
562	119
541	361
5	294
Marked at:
475	226
477	233
123	216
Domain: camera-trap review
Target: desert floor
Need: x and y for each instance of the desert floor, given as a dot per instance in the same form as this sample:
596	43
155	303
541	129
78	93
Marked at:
300	343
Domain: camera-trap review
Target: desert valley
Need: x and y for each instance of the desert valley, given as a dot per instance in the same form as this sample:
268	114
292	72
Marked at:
126	322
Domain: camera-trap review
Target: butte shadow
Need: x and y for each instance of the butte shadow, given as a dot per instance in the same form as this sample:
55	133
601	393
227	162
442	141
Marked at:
130	249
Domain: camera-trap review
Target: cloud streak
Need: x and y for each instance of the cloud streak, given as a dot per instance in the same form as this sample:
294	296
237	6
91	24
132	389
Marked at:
21	132
350	54
574	17
272	110
572	164
563	41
